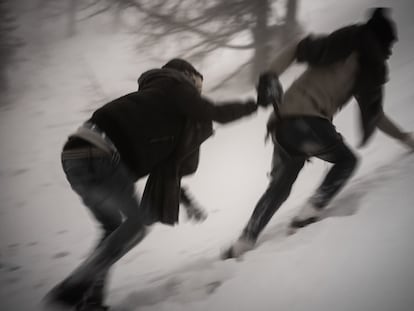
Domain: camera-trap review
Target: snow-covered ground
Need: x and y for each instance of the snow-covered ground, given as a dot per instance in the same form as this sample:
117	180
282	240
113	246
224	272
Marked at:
360	257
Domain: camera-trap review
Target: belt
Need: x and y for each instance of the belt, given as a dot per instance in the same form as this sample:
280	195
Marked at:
100	144
93	134
85	152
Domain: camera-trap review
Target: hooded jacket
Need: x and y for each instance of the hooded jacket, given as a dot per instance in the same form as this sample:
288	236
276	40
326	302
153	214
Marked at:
349	62
146	125
370	75
158	131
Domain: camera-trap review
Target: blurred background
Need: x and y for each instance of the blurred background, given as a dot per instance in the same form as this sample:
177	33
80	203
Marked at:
62	59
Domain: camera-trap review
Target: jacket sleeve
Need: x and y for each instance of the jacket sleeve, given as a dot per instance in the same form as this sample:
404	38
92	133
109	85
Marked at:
284	58
370	106
226	112
390	128
199	108
327	49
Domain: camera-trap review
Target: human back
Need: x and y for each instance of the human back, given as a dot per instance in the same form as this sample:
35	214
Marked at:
145	125
321	90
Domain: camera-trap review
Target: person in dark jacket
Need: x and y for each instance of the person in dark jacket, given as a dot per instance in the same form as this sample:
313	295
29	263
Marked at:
350	62
155	131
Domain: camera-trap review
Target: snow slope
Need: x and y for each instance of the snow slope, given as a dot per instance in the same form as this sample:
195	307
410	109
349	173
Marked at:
358	258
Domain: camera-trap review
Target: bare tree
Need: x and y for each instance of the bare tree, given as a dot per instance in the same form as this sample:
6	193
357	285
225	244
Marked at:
197	27
76	11
202	26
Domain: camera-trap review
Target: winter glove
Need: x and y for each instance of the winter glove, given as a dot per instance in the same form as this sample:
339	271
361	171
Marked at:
408	140
269	90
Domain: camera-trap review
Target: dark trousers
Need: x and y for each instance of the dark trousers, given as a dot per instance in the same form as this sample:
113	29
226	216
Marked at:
107	189
296	140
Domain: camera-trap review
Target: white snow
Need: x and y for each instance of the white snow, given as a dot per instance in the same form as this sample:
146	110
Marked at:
360	257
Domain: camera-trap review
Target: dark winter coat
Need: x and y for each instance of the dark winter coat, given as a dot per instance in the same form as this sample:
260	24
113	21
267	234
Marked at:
368	88
158	131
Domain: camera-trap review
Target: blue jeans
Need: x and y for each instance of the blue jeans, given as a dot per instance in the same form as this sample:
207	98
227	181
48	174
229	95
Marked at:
296	140
107	189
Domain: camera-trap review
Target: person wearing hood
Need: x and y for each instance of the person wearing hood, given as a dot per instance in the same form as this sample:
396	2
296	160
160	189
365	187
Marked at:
350	62
155	131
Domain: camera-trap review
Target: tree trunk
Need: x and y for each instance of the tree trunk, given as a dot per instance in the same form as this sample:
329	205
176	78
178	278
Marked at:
260	37
291	12
291	26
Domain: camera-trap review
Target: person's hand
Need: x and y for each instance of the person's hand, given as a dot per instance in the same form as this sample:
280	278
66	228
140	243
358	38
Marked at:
408	140
193	210
269	90
196	213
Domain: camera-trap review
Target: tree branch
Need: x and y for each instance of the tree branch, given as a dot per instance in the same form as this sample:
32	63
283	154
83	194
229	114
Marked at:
231	75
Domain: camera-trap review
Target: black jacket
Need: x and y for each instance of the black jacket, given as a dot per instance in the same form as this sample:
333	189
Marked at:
158	131
368	88
146	125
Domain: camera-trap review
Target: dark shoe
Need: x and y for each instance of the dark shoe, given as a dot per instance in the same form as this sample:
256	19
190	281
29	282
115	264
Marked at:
65	295
303	222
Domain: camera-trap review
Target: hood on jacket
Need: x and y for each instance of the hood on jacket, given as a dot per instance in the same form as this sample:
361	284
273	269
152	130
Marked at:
182	66
384	29
153	74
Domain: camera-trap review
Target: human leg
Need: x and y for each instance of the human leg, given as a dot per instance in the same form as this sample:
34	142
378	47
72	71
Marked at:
107	189
285	169
325	143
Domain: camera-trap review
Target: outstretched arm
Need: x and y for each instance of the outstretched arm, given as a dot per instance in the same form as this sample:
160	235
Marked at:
387	126
197	107
284	58
230	111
